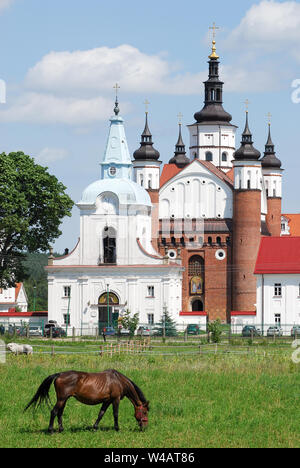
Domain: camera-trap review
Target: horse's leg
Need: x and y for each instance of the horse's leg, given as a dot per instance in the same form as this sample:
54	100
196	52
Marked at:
57	410
116	403
104	407
59	416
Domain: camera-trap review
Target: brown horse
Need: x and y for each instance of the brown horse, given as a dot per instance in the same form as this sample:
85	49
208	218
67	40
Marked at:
108	387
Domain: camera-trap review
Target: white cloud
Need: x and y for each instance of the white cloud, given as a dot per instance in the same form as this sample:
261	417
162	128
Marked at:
50	155
97	70
270	25
5	4
47	108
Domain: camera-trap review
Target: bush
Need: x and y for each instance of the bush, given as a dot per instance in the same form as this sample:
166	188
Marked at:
215	330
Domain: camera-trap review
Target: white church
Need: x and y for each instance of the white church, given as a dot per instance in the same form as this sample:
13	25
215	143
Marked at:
114	266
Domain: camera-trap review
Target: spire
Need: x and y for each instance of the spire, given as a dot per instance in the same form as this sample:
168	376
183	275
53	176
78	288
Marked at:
270	160
180	158
213	111
146	152
247	150
116	109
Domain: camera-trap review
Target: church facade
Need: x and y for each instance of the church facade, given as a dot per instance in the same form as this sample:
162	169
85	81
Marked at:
183	236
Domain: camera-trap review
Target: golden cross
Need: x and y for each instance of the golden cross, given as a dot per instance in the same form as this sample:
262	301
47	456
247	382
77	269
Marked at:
247	102
116	87
147	105
269	115
214	28
180	118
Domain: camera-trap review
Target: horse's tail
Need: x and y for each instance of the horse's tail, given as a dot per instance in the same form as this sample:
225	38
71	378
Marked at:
42	394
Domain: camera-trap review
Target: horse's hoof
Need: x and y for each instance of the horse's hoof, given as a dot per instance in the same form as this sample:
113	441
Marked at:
117	429
61	429
95	428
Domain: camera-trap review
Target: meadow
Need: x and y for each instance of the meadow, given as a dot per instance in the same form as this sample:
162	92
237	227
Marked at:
213	400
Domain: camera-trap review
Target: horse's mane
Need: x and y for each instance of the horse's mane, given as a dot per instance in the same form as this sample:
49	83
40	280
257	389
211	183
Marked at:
137	389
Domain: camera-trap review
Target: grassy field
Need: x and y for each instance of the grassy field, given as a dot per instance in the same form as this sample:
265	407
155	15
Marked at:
199	401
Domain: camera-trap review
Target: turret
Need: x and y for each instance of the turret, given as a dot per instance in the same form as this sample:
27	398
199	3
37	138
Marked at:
147	174
246	222
272	173
180	158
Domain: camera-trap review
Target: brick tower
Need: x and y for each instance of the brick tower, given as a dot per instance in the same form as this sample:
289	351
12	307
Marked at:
246	222
147	173
272	172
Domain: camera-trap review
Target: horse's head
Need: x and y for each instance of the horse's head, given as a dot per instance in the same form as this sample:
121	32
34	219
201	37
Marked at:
141	415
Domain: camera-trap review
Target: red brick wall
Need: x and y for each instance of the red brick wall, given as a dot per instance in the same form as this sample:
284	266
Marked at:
246	241
274	216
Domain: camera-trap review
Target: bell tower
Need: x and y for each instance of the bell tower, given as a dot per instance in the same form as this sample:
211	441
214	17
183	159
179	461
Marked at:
246	222
272	173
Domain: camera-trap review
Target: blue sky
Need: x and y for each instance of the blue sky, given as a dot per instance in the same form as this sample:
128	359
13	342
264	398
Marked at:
61	58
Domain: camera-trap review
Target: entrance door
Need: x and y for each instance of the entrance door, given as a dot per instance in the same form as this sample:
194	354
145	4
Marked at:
108	310
197	306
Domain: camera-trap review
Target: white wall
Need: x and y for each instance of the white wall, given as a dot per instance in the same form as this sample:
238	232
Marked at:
195	193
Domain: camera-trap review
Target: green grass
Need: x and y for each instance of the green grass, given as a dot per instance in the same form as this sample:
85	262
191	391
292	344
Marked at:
200	401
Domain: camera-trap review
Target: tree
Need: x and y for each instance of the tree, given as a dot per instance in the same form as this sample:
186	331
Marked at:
166	325
215	329
33	204
130	322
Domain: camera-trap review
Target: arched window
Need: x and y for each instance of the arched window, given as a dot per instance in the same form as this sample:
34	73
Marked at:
224	157
109	245
196	266
208	156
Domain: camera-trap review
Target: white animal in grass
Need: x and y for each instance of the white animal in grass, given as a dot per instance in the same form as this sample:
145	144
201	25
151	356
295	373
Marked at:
19	349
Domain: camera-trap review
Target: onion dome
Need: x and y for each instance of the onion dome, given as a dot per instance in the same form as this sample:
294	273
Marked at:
146	152
180	158
213	111
270	160
247	150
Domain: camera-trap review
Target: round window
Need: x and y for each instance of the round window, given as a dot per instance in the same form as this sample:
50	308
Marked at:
172	254
112	171
220	254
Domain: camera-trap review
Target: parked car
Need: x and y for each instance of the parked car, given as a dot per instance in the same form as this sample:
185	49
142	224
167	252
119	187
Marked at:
193	329
250	330
30	331
274	331
143	331
124	332
108	331
295	331
57	332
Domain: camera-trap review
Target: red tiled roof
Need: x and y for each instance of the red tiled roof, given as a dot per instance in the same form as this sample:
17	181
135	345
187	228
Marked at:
171	170
294	223
17	290
13	313
278	255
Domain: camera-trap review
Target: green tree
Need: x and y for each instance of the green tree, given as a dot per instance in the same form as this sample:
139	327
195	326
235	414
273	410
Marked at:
166	325
215	330
33	204
130	322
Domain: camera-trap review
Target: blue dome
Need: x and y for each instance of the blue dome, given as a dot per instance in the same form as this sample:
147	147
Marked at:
127	191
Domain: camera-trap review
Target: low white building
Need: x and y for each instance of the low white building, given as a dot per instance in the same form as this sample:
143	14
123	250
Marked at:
278	283
114	266
12	298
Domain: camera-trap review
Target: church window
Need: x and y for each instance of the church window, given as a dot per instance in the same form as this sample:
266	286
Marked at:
218	94
208	156
219	241
109	246
150	319
224	157
67	319
142	180
112	171
278	290
196	266
150	291
197	306
209	240
67	291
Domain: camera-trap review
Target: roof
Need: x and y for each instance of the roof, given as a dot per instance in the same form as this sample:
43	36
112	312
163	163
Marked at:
171	170
278	255
294	223
127	191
